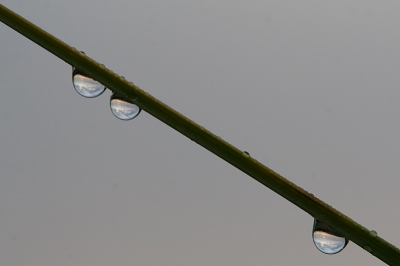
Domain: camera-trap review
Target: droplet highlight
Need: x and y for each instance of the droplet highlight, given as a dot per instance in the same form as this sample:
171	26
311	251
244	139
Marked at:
123	109
326	239
86	86
367	248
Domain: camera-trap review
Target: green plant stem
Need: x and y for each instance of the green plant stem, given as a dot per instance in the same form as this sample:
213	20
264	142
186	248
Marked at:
304	200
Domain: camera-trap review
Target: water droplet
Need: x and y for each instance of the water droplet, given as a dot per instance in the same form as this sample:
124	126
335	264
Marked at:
122	109
85	86
367	248
373	233
327	240
246	153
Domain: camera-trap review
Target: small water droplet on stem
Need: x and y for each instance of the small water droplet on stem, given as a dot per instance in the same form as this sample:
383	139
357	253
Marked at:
368	248
373	233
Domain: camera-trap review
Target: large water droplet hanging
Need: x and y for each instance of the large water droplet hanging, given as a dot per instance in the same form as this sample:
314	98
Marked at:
327	240
122	109
85	86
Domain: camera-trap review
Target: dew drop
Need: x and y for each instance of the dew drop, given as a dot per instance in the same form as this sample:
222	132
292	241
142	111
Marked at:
246	153
85	86
367	248
122	109
373	233
327	240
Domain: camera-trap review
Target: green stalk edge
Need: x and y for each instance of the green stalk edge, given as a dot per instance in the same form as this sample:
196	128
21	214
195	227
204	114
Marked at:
353	231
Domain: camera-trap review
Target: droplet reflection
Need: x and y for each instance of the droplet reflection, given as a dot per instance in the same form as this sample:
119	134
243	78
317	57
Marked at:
327	240
85	86
122	109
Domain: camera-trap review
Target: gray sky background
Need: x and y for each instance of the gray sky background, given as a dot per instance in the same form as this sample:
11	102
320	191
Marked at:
309	88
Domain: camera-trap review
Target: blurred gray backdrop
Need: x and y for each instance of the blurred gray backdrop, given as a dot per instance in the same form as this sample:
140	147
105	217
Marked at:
309	88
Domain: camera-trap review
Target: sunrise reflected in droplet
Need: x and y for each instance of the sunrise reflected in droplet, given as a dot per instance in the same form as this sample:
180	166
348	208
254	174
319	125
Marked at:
86	86
326	240
122	109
